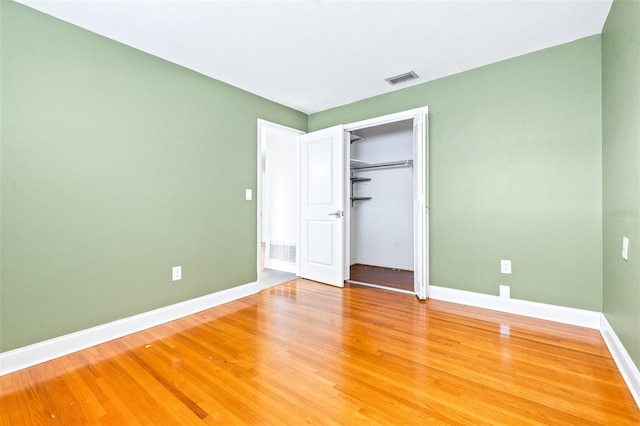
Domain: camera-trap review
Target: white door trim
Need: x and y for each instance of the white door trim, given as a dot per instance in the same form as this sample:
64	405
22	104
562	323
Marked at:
268	125
386	119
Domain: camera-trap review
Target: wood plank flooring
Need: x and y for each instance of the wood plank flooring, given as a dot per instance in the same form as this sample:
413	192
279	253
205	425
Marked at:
306	353
394	278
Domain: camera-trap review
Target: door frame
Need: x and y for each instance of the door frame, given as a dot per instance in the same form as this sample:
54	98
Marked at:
424	239
262	126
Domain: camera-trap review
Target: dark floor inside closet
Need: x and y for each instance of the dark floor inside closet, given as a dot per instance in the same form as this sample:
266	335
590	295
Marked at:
387	277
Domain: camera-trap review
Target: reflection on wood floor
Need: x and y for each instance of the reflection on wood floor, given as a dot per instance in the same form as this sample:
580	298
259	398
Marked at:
307	353
271	277
387	277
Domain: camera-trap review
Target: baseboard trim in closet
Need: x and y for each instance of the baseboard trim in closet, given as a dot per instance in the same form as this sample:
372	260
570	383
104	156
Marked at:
399	290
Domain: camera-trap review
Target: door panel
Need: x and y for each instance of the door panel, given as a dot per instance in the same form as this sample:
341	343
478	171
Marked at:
321	206
320	171
321	233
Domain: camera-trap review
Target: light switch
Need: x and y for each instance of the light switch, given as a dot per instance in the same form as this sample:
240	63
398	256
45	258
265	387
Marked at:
176	273
248	194
625	248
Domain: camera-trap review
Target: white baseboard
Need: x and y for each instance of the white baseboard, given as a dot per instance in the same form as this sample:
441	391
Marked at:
624	362
47	350
579	317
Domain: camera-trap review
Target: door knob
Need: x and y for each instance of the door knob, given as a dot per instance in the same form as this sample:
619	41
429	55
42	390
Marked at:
337	213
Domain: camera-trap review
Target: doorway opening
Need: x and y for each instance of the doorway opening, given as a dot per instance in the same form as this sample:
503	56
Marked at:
278	201
388	237
326	197
381	238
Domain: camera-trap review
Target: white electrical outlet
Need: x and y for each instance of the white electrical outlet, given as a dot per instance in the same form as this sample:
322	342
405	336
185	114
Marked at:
176	273
505	266
625	248
248	194
505	291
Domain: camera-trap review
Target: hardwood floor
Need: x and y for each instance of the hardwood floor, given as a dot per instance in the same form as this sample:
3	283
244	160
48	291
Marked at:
394	278
306	353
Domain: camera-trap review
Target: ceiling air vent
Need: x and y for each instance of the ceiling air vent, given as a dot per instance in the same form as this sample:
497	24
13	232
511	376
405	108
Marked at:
401	78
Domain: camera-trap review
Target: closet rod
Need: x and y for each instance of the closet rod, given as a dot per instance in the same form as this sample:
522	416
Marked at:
392	164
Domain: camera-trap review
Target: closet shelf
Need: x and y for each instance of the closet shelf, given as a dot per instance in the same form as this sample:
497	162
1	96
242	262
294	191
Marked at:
355	138
389	165
359	179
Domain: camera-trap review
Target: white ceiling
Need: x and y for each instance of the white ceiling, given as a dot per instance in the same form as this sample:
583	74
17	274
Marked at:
313	55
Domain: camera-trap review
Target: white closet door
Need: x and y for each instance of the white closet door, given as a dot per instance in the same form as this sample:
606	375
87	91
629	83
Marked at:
322	206
346	238
420	209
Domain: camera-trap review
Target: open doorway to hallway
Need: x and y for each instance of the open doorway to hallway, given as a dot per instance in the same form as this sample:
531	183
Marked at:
278	199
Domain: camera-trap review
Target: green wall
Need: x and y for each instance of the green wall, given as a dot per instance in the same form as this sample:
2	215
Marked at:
621	171
515	173
116	166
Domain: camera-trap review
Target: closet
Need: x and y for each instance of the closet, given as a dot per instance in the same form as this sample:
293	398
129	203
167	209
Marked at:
381	237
